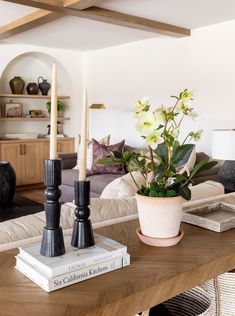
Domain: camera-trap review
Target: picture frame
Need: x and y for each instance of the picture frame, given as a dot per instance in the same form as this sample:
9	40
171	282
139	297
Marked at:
13	109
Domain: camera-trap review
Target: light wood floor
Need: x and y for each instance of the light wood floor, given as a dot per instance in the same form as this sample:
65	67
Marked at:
36	195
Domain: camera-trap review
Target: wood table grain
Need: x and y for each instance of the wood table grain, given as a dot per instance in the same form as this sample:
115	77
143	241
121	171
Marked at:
155	274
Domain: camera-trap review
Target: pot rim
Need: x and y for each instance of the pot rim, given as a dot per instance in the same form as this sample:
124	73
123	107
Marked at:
178	197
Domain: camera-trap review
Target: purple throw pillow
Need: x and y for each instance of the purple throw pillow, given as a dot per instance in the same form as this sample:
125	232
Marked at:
101	151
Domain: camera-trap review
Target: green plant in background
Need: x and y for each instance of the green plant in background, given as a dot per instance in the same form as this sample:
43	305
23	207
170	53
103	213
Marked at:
160	129
60	106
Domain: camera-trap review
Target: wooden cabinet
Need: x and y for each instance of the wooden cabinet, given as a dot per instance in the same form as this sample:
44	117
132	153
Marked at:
65	147
31	163
12	152
27	157
24	157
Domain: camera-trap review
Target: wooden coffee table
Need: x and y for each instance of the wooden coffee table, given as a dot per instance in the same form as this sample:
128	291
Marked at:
155	274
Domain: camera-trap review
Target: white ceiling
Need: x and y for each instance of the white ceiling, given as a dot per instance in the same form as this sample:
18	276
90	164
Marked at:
10	11
186	13
81	34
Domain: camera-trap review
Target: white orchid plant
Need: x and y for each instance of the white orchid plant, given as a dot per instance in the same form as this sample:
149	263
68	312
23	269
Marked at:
159	165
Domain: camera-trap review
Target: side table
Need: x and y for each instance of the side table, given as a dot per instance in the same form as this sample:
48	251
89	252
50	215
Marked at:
155	274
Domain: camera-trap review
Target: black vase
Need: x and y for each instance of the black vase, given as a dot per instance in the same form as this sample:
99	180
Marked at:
7	183
32	88
44	86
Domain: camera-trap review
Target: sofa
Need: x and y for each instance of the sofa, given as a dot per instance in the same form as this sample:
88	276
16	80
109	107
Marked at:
98	182
104	212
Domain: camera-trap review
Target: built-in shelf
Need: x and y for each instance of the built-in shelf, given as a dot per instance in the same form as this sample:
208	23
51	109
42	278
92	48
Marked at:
31	96
60	119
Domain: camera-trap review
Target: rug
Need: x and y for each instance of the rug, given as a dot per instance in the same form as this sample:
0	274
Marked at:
21	206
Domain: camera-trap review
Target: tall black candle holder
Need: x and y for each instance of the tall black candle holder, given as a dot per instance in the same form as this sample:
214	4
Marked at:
82	231
52	241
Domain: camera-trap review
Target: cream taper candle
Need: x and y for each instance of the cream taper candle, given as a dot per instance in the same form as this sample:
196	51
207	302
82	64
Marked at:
53	128
83	144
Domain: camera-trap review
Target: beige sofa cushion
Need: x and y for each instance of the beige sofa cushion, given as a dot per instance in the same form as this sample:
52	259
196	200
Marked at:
67	232
28	229
123	186
32	225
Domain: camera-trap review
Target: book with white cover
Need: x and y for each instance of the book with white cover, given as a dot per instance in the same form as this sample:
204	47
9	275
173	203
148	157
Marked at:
57	282
74	258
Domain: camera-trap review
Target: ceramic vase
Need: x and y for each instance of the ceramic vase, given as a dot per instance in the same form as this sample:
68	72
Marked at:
44	86
159	217
7	183
32	88
17	85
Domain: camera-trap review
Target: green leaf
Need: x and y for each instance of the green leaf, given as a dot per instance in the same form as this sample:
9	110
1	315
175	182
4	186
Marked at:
180	152
134	165
126	155
144	191
179	179
153	186
162	152
185	193
171	140
117	154
171	193
202	166
153	193
160	170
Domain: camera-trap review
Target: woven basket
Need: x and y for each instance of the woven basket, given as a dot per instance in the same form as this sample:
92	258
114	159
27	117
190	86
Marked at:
222	292
195	302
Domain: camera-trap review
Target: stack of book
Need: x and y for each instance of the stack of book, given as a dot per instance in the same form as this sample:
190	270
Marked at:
76	265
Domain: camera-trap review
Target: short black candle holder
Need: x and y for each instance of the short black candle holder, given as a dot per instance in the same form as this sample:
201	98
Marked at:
82	231
52	241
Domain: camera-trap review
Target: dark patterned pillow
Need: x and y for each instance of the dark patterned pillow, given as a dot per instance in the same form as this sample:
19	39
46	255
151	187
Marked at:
101	151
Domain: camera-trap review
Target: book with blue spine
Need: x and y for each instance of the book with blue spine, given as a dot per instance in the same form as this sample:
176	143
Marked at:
74	259
49	283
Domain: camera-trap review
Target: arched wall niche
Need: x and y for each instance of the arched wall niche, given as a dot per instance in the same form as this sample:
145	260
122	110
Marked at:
29	66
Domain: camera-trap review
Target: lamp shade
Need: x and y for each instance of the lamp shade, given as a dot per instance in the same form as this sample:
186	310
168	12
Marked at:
223	144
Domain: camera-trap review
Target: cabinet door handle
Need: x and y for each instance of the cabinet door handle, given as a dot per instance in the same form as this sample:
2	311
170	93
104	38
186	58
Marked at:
22	149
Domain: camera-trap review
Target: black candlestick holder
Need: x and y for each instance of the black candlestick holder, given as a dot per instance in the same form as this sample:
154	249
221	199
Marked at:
52	241
82	231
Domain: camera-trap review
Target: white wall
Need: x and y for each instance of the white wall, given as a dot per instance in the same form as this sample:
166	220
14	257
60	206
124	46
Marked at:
29	66
118	76
158	68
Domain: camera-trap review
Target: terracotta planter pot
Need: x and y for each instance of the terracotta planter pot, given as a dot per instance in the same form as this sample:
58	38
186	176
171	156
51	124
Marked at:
159	217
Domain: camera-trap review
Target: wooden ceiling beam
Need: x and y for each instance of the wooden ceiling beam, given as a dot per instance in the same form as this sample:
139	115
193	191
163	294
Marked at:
27	22
81	8
82	4
131	21
41	16
40	4
57	5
